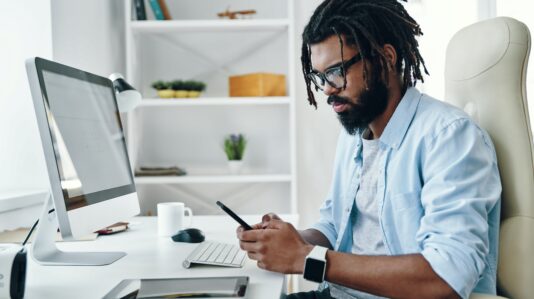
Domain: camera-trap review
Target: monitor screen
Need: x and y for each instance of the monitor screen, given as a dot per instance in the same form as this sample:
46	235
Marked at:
87	137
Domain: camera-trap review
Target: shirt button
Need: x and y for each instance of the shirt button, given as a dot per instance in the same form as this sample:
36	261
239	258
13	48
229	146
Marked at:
347	210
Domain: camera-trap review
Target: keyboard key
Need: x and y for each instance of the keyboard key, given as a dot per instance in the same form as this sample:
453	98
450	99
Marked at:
231	255
224	253
200	250
207	252
215	254
238	258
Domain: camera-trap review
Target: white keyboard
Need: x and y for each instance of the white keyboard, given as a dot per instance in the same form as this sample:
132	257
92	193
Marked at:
217	254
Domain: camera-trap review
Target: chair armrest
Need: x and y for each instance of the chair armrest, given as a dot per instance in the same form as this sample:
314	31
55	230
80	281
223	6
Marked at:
485	296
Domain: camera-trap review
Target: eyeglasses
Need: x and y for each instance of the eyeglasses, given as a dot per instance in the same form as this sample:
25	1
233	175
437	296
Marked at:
334	76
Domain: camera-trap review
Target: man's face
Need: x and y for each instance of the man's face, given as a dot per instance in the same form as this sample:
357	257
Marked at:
355	105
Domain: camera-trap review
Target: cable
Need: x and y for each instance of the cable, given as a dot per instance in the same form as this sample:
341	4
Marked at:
33	227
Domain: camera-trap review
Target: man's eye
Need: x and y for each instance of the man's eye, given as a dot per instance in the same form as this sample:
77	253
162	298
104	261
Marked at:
332	73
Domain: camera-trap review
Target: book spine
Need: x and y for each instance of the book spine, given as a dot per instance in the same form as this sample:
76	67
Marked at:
140	11
164	9
158	14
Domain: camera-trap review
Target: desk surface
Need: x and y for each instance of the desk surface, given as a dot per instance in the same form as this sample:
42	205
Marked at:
149	256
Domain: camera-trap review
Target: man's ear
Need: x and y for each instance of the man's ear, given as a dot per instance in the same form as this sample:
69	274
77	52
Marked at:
391	56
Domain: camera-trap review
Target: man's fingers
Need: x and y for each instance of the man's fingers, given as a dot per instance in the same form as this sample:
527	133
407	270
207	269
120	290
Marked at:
276	224
251	247
250	235
268	217
257	226
239	229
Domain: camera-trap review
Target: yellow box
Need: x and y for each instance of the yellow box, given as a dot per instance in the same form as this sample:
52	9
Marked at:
258	85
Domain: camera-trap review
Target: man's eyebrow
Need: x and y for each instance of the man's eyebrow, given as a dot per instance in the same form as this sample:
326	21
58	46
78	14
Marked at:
329	67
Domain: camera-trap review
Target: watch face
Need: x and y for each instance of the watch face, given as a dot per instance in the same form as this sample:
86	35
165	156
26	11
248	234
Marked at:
314	270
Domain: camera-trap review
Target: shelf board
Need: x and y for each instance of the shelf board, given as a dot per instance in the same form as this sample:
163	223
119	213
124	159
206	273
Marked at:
11	200
203	179
223	101
208	25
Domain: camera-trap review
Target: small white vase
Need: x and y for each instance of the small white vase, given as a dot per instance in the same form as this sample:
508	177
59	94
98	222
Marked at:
235	166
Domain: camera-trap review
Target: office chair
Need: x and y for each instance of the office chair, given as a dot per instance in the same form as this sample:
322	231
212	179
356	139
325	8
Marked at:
485	74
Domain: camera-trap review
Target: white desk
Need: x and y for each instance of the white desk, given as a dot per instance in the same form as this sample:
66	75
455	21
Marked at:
148	255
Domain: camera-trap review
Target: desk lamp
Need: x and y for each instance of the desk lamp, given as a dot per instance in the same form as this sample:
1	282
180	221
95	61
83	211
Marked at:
127	97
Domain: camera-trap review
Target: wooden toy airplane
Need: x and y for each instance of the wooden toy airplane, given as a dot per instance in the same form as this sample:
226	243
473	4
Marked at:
233	14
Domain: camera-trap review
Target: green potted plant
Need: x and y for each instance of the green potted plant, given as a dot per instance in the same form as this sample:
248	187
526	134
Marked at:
164	89
180	88
234	147
195	88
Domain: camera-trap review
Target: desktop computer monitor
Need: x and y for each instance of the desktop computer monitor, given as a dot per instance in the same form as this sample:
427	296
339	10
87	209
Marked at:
91	182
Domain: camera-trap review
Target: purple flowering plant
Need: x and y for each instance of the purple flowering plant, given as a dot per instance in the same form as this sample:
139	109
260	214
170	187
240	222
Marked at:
234	146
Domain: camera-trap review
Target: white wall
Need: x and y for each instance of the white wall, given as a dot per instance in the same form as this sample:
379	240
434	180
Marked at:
89	35
25	31
438	27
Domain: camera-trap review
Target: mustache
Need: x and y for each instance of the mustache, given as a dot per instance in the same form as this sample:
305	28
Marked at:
337	99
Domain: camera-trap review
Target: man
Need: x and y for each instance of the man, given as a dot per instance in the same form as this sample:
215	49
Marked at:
413	211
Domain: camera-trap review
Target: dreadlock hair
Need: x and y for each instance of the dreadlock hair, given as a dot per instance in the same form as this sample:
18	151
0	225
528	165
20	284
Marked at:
367	25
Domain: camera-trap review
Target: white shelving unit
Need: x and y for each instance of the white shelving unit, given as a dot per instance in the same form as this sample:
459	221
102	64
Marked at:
189	132
203	179
210	26
216	101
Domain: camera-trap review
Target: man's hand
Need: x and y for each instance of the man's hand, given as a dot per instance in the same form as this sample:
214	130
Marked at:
266	219
277	247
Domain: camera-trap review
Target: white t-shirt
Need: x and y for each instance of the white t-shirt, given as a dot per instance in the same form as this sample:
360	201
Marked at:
366	234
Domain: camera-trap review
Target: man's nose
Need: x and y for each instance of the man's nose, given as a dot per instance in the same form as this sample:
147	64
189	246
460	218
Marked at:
330	90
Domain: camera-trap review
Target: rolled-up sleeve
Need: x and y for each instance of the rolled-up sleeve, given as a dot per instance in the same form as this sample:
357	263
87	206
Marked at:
461	187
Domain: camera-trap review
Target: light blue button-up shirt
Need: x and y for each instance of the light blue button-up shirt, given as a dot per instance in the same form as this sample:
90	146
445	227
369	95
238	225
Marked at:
438	190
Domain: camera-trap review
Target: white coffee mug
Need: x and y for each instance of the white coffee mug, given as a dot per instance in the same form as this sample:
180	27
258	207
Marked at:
171	218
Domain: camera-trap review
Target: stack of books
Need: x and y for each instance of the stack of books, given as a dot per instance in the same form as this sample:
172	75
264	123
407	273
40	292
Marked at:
159	8
160	171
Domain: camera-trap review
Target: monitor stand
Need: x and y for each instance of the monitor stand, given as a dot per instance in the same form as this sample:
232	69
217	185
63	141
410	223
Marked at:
45	252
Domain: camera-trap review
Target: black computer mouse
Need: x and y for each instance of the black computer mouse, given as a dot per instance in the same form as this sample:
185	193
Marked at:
189	235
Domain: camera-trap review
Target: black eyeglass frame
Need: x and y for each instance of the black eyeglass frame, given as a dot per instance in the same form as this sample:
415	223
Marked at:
342	67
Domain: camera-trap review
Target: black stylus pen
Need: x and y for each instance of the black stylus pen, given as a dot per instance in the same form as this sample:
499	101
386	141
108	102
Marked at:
233	215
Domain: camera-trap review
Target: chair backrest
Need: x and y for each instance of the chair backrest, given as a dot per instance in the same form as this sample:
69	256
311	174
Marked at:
485	74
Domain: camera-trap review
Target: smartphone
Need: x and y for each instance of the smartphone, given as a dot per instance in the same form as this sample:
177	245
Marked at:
233	215
201	287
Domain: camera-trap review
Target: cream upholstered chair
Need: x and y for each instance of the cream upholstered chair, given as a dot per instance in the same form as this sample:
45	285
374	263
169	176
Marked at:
485	75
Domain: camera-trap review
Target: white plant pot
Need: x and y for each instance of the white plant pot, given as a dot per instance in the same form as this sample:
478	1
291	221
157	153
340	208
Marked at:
235	166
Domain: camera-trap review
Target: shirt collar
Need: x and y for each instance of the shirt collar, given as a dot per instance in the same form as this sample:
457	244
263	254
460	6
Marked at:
401	119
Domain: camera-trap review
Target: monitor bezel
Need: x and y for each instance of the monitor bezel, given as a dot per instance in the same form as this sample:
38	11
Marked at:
76	223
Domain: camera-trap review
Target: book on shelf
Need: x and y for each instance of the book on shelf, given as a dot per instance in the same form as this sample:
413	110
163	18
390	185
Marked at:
164	10
158	13
160	171
140	11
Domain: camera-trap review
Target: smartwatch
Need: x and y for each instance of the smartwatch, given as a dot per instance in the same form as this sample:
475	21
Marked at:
315	264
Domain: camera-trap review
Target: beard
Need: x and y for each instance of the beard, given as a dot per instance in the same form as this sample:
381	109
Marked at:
370	104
